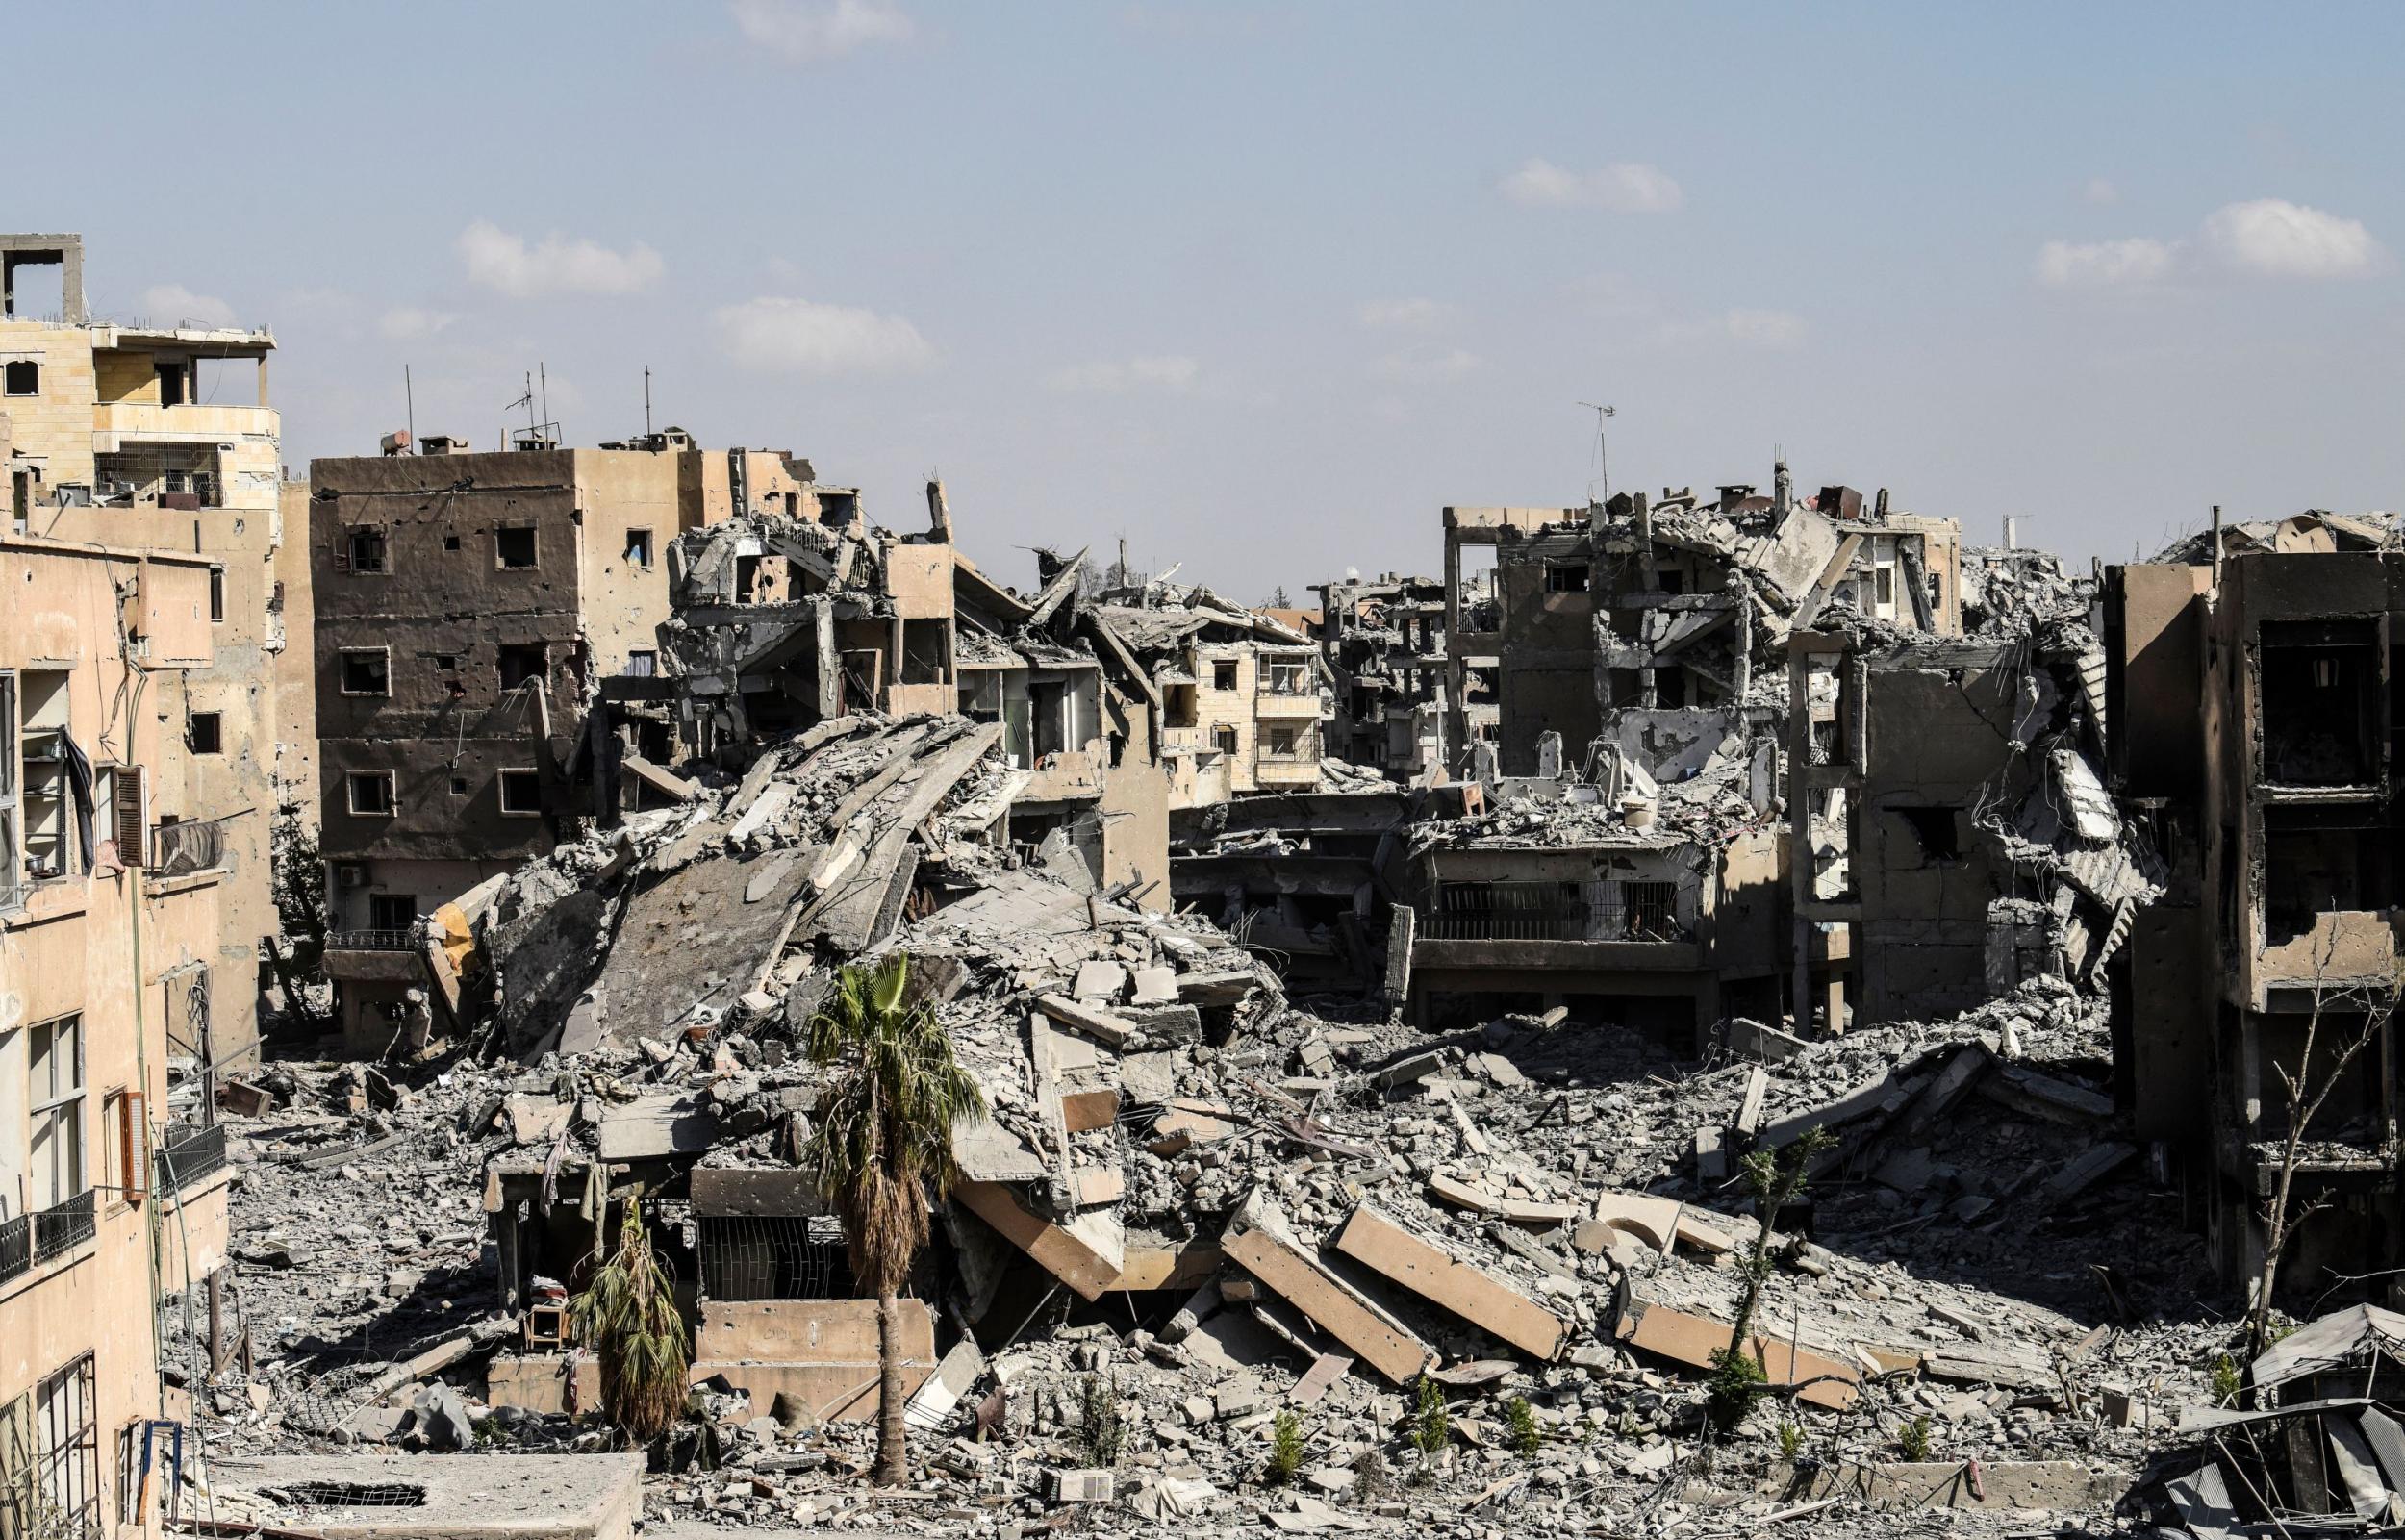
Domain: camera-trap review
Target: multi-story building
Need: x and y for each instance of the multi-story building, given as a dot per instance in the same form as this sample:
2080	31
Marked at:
1241	695
2278	805
1384	644
159	436
113	1183
471	611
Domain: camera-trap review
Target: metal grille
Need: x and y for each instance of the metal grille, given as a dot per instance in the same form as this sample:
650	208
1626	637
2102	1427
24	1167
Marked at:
751	1257
190	1154
1509	910
50	1460
63	1225
16	1246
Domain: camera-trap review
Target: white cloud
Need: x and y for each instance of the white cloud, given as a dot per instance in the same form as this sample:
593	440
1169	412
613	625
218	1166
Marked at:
1624	186
1429	366
2272	237
1415	314
174	305
554	266
802	336
407	323
2100	191
2105	263
1173	372
1763	328
805	32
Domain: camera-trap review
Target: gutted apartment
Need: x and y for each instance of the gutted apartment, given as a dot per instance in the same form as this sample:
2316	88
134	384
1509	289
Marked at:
487	649
113	1175
1241	698
1639	618
157	435
1383	646
2278	803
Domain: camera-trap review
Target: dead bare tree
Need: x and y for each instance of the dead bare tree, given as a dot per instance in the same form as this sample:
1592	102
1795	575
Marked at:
2304	1095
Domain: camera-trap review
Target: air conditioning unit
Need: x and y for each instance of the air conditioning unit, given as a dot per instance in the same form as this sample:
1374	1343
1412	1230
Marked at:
350	873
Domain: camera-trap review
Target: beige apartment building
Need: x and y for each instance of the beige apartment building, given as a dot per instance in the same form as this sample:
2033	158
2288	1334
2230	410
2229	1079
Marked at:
113	1179
158	436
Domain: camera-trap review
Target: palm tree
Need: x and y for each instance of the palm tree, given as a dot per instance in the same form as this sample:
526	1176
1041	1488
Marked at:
881	1144
627	1314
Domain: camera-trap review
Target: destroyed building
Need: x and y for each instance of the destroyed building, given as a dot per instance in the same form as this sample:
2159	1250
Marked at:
157	435
1241	698
1636	615
471	612
1383	646
2277	806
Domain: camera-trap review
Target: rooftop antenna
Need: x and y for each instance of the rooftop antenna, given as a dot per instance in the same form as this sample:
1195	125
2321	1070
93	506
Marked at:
1602	461
409	398
646	401
540	373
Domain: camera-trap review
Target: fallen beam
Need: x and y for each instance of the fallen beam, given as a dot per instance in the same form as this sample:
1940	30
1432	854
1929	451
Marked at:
1294	1276
1401	1257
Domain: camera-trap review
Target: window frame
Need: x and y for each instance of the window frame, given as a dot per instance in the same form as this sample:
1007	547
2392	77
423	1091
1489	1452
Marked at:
642	663
214	737
501	783
54	1107
8	366
1227	667
649	550
383	550
352	780
342	678
374	920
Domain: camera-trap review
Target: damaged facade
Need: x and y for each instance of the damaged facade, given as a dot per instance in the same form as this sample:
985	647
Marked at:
2277	804
1383	646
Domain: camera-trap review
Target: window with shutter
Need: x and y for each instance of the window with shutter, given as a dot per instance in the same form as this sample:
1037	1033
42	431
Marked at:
132	816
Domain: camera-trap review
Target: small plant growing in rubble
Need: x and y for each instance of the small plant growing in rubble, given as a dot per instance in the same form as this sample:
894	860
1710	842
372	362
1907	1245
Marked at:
627	1315
1912	1438
1430	1426
1105	1435
2226	1383
1372	1481
881	1147
1285	1448
1737	1378
1520	1426
1790	1439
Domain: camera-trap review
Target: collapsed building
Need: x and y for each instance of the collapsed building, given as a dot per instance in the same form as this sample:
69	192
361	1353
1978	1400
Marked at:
1383	646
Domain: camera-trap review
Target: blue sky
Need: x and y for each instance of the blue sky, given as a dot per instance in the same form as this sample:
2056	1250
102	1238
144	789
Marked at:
1264	288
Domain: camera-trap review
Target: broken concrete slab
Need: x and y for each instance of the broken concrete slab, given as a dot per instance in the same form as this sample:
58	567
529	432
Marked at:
1284	1267
1417	1264
1692	1340
659	1125
1102	1026
1088	1255
543	1496
1653	1221
1101	982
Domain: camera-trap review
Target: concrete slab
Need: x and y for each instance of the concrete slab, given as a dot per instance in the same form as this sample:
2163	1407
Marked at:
1429	1271
434	1497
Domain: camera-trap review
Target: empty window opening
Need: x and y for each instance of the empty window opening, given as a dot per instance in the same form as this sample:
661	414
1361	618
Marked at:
1289	678
521	663
216	593
1565	577
20	376
174	383
207	733
925	659
1670	688
1224	738
2320	703
458	786
514	547
1511	911
364	551
1939	829
773	1257
367	671
638	549
450	543
1224	676
522	793
393	911
446	661
1651	910
2310	872
1048	705
370	792
1281	743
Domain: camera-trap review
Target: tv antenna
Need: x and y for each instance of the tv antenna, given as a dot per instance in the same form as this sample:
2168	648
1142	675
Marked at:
1602	462
646	401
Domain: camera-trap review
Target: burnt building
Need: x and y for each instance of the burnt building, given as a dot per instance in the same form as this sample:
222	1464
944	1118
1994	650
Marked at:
2259	673
1383	646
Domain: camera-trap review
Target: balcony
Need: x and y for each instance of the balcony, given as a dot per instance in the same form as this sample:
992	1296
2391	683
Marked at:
45	1233
372	941
116	423
190	1155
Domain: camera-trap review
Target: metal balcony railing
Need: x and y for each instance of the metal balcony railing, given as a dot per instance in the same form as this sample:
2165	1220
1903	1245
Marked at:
189	1155
63	1225
372	941
16	1246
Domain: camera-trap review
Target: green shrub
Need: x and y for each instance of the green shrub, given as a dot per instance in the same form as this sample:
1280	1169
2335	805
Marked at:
1912	1438
1285	1448
1520	1425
